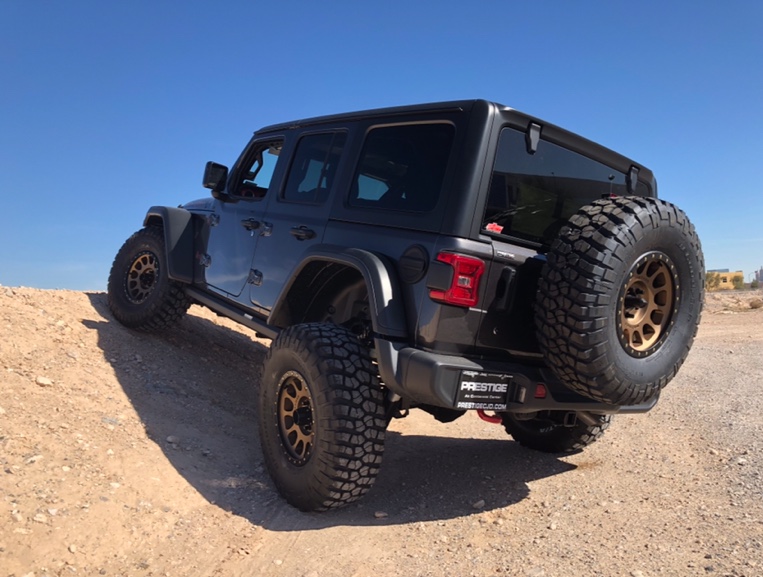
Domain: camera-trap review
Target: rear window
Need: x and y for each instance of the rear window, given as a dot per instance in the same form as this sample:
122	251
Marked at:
533	195
402	167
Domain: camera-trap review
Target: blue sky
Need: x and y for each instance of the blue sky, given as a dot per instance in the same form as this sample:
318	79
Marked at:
107	108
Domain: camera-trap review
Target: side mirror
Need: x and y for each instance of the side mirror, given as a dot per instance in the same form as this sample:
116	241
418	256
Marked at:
215	176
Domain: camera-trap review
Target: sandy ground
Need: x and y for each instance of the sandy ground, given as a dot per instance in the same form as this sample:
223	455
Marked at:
130	454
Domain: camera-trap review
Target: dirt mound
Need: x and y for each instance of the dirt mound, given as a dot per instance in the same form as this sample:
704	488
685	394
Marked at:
733	301
91	413
131	454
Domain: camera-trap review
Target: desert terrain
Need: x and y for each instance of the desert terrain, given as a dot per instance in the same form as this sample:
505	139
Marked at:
129	454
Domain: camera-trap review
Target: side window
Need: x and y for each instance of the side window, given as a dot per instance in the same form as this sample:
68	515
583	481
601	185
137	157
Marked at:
402	167
314	167
256	179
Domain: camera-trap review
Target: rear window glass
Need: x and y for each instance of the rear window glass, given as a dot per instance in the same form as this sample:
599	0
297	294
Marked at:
402	167
533	195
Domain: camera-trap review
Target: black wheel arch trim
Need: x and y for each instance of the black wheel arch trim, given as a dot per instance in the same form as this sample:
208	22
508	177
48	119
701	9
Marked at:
388	315
178	239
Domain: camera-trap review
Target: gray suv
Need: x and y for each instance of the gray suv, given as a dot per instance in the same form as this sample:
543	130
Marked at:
449	257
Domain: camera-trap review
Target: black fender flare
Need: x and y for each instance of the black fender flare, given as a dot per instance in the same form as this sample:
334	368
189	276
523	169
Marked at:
177	224
380	275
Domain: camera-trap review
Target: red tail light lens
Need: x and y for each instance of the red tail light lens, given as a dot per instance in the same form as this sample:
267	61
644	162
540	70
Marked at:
464	288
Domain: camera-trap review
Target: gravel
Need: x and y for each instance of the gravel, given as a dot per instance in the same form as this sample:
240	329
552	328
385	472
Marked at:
143	459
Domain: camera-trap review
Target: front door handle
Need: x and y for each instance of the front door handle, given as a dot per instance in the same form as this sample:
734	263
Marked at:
302	232
250	224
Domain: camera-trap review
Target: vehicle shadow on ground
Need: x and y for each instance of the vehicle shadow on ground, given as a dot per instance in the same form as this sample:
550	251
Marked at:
194	388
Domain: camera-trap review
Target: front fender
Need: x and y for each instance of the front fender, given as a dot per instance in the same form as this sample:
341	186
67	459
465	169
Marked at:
177	224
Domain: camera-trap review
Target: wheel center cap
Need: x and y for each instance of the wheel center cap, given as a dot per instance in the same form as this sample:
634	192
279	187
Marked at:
635	302
303	418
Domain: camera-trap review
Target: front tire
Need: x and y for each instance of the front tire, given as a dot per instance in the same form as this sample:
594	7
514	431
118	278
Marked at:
140	294
321	417
547	432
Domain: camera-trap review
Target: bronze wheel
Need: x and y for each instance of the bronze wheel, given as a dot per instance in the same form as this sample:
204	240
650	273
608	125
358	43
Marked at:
141	295
295	417
321	416
646	304
142	277
619	299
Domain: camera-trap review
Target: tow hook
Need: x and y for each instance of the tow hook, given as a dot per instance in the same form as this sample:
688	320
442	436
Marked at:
494	418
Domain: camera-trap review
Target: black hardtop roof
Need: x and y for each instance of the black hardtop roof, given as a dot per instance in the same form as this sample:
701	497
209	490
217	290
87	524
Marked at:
520	119
454	105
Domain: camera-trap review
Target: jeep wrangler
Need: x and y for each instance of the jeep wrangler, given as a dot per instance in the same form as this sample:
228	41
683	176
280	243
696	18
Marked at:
450	257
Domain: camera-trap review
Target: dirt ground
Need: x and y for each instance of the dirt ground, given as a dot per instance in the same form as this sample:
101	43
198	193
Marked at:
132	454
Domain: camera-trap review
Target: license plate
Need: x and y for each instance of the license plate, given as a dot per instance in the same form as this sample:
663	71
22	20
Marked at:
487	391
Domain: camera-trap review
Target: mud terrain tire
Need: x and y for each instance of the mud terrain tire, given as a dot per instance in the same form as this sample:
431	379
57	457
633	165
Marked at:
140	294
620	298
321	417
548	433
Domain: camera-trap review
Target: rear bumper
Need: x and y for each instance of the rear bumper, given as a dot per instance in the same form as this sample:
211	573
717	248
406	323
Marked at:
437	379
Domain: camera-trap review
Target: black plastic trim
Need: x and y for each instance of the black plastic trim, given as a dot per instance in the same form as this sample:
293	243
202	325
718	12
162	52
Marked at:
233	312
433	379
388	314
178	239
532	137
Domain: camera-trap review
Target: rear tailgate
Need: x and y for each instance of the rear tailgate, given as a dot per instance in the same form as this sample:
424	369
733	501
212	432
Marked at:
535	186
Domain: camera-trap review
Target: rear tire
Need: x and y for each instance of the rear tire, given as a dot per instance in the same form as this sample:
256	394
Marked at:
140	294
548	433
321	417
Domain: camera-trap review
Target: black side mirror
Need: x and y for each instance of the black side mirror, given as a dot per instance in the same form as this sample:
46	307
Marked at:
215	176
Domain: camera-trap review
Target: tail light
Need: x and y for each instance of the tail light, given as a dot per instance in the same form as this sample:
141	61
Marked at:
465	284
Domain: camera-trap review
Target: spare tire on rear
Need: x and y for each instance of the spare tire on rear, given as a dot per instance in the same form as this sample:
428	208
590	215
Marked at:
620	297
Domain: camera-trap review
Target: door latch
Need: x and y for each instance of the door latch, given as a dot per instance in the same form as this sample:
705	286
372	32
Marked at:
255	277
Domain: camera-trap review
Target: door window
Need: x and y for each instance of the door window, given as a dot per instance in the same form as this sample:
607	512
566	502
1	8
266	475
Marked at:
314	167
255	180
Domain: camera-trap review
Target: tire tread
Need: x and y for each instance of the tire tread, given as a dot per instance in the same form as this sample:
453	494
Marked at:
578	284
163	309
559	439
352	449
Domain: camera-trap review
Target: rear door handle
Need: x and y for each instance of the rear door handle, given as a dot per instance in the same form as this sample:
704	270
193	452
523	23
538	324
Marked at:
302	232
